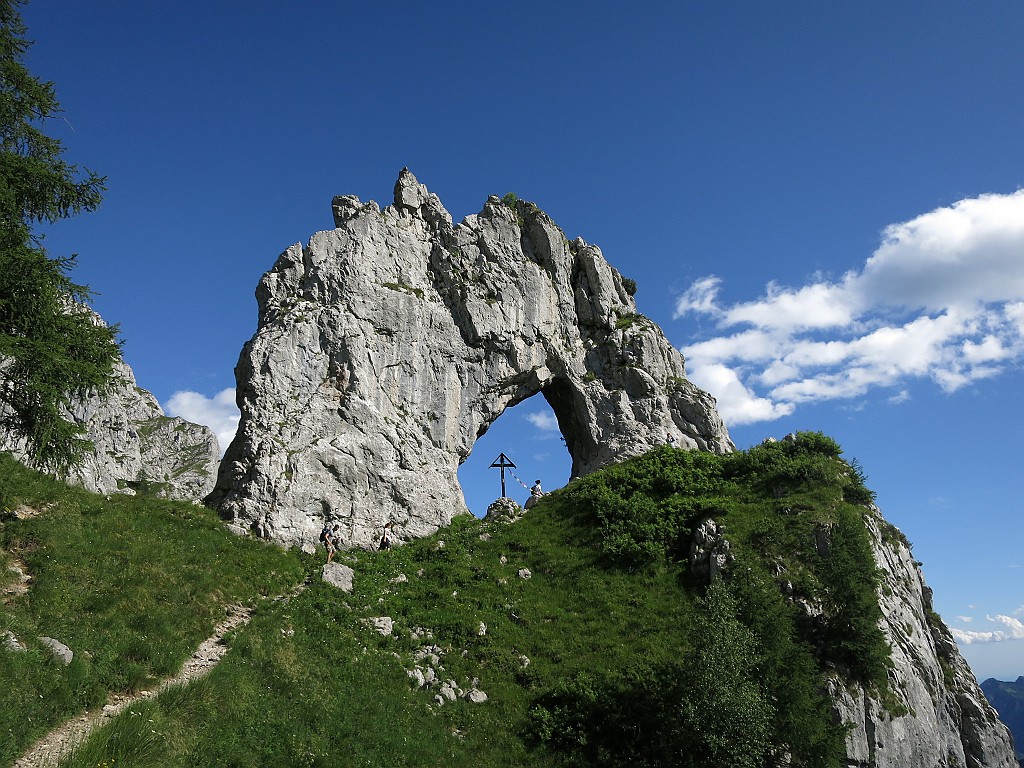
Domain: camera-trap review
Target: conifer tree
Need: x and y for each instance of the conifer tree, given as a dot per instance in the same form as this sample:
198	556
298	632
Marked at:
52	347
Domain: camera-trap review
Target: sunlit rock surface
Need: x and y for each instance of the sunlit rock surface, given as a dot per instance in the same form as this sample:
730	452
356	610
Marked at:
387	345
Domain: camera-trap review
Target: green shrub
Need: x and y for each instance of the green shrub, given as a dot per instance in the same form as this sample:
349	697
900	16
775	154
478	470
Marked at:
707	707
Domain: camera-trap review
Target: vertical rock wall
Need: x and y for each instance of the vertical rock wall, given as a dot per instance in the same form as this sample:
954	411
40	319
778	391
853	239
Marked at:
386	346
942	718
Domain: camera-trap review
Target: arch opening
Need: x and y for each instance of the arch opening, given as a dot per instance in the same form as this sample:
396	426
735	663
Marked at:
530	435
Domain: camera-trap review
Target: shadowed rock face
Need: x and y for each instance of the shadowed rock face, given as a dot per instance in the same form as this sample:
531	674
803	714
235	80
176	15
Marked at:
386	346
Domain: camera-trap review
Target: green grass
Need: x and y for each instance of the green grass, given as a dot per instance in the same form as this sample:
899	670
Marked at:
631	659
131	585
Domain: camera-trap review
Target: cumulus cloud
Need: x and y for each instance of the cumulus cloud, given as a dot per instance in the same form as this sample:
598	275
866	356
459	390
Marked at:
942	298
735	399
1013	629
219	412
545	422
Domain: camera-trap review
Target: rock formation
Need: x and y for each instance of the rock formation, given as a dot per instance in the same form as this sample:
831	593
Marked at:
939	715
387	345
135	446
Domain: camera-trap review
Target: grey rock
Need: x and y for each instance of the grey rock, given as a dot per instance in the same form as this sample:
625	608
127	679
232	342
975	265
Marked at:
710	551
475	696
12	643
382	624
949	722
58	649
338	575
448	692
524	573
387	345
504	509
135	446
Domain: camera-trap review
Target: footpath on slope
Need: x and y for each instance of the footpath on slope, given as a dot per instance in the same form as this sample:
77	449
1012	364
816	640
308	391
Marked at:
59	743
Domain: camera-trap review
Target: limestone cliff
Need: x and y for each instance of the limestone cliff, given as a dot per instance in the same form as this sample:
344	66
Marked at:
939	717
135	446
387	345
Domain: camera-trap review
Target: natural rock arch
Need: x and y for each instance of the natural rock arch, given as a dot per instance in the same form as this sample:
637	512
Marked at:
388	344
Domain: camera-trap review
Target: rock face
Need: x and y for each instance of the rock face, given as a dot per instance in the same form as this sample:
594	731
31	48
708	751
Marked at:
947	721
386	346
137	447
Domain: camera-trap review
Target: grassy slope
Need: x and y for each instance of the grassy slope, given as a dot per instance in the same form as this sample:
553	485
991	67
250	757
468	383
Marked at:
626	649
130	585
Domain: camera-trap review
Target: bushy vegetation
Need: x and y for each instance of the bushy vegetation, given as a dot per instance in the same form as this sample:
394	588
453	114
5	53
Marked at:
611	653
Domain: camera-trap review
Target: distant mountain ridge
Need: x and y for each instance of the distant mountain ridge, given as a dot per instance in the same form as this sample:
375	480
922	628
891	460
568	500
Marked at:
1008	699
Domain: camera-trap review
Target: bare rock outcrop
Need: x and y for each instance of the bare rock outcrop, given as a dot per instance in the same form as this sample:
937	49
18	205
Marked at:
135	446
939	716
387	345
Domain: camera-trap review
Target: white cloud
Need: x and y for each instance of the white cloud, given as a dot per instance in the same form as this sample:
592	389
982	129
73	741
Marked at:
1013	630
219	413
701	296
942	298
964	619
734	399
545	422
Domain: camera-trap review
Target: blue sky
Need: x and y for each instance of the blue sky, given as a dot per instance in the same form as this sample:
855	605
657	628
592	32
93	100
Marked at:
819	202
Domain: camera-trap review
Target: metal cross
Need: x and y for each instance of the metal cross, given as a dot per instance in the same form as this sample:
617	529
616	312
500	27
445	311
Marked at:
502	462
